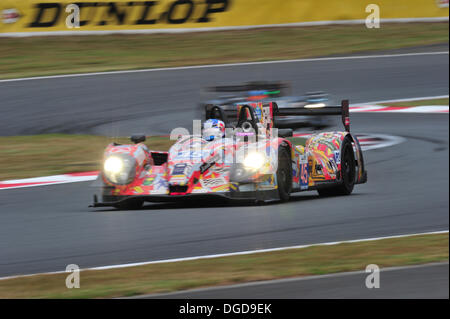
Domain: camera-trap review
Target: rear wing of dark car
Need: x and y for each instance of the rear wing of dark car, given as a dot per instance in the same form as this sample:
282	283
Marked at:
342	110
217	112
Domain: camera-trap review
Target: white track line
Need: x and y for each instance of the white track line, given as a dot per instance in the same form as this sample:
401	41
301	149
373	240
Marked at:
356	57
247	252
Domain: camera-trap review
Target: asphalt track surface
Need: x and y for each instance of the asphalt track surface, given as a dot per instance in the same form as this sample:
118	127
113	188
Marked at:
46	228
424	281
157	102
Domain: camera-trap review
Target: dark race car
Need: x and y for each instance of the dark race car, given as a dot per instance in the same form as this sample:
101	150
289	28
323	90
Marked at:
227	97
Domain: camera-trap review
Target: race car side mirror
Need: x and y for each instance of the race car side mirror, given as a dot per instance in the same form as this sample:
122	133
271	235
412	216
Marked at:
138	138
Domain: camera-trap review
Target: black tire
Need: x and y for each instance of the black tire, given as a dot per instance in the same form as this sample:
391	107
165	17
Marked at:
348	166
131	204
284	174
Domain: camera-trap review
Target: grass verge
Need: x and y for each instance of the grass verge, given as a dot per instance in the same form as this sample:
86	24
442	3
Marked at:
34	56
166	277
52	154
419	103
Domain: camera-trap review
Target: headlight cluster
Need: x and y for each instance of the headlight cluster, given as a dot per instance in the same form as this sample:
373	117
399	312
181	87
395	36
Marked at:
119	169
254	161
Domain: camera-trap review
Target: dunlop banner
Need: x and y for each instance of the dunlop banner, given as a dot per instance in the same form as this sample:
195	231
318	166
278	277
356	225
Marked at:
28	16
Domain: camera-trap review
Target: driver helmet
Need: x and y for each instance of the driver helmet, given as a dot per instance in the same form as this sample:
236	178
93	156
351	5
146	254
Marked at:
212	129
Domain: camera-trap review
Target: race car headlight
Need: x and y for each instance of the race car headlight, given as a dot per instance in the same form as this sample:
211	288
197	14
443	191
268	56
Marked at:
254	161
119	169
113	165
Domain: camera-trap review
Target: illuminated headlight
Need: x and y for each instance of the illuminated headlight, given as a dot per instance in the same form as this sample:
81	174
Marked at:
119	169
113	165
314	106
254	161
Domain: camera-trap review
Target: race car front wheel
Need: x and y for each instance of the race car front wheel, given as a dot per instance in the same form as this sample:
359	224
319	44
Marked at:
348	166
284	174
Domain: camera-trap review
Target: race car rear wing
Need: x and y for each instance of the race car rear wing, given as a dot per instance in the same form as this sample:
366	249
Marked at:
342	110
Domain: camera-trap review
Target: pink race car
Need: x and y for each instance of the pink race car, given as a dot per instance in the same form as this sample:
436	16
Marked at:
250	160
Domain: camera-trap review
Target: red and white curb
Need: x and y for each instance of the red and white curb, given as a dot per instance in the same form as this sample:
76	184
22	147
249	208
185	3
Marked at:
401	109
375	141
367	142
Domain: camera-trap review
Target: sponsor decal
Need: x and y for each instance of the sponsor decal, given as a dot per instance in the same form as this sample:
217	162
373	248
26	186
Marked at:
120	15
9	16
129	13
304	180
179	169
138	190
149	181
442	3
303	159
258	111
186	155
205	166
212	182
337	157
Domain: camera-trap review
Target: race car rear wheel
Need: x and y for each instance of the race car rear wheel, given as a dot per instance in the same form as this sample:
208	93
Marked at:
348	166
284	174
